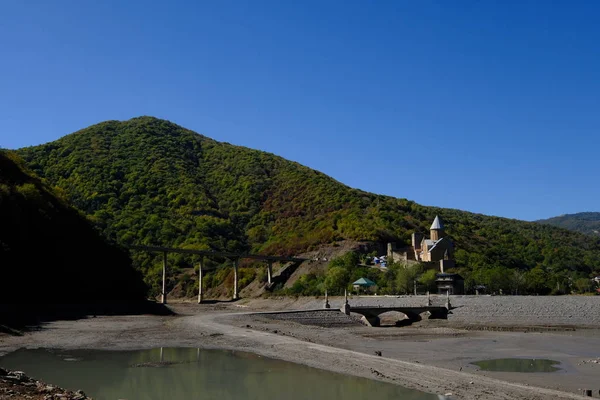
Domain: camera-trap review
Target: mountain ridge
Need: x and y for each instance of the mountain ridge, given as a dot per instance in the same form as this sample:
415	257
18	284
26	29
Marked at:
587	222
150	181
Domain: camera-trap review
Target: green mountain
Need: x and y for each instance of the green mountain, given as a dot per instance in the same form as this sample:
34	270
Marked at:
149	181
585	222
50	253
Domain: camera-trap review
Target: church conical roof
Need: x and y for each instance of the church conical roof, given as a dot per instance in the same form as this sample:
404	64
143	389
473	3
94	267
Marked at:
437	224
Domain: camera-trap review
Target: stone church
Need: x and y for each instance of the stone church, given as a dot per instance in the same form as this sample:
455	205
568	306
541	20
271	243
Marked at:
438	248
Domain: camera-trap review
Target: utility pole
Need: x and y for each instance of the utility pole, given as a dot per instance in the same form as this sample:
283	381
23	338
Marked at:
200	294
235	279
164	279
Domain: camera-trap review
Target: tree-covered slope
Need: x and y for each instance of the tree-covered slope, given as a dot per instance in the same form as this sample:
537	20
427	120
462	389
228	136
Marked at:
149	181
585	222
50	253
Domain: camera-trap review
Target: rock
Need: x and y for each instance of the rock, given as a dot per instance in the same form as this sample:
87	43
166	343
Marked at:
378	353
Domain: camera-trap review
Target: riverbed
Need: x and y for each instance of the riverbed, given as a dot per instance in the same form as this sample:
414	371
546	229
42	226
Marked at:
433	356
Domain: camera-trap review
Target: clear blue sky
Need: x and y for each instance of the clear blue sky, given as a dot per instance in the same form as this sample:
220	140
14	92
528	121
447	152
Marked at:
491	107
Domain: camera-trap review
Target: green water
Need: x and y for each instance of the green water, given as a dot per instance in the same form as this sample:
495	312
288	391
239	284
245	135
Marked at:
518	365
195	374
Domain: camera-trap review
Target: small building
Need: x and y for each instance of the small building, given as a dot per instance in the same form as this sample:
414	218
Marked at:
450	283
364	284
437	247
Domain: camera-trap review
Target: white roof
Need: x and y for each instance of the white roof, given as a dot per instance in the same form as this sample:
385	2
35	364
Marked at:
437	224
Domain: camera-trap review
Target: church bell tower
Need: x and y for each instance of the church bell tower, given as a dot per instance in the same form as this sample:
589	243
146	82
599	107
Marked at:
437	229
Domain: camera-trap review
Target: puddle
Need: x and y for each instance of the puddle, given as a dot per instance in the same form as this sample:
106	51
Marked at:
184	374
518	365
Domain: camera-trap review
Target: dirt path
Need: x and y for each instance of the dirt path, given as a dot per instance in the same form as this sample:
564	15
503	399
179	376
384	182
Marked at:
409	374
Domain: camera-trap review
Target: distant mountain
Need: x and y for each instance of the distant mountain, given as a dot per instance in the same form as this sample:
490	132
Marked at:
149	181
50	253
585	222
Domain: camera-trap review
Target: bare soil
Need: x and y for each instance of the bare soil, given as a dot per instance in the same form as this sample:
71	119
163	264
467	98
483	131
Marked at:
433	355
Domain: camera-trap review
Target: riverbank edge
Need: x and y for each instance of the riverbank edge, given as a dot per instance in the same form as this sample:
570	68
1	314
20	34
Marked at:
423	377
219	329
17	385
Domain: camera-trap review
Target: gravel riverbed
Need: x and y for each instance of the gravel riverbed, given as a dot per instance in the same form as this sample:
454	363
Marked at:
512	311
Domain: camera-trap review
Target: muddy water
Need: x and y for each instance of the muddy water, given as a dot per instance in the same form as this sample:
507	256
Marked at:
518	365
184	373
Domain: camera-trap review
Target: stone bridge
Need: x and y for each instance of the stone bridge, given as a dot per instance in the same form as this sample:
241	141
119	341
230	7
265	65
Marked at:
371	314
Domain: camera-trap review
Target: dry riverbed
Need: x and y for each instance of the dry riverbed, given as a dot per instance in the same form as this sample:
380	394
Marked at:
433	355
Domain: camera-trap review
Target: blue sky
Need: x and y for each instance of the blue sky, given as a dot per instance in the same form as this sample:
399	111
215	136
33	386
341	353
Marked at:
490	107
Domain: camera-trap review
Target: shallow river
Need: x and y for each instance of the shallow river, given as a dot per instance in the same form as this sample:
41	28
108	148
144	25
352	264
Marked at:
183	373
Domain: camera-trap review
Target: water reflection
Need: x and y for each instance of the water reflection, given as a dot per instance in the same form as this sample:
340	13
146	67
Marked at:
183	373
518	365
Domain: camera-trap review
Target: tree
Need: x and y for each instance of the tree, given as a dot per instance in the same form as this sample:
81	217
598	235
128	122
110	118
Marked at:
582	285
337	279
406	277
348	261
517	280
428	278
535	280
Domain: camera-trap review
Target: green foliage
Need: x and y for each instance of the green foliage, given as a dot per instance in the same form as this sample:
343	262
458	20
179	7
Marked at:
348	261
537	281
148	181
427	280
407	276
49	253
341	272
583	285
585	222
262	275
245	277
337	279
307	285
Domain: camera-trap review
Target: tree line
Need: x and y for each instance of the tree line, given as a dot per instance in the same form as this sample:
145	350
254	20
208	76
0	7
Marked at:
403	278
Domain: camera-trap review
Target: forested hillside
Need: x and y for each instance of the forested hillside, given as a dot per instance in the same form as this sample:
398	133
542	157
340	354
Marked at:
585	222
149	181
50	253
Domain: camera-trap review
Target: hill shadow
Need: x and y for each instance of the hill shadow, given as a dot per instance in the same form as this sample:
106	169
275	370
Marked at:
18	318
217	301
